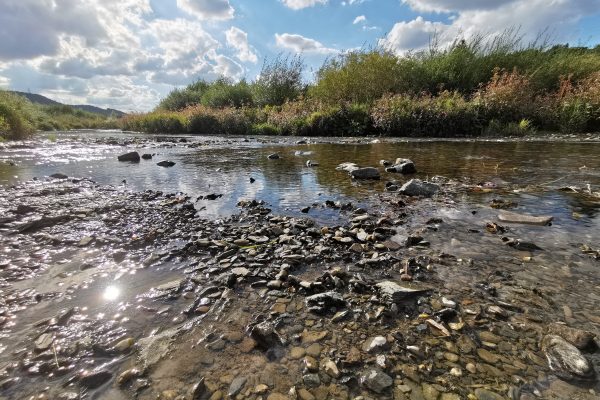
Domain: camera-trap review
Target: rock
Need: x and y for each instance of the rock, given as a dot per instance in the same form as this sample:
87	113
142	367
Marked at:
147	156
565	359
375	344
277	396
43	222
429	392
165	164
323	302
311	163
365	173
347	166
331	369
305	210
311	380
265	335
577	337
236	386
273	156
85	241
484	394
297	353
58	175
199	390
403	166
515	218
126	376
376	380
305	394
417	187
133	156
394	293
44	341
522	245
94	379
488	356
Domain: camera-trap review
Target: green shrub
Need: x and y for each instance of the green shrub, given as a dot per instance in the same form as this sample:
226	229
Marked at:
265	129
15	116
279	81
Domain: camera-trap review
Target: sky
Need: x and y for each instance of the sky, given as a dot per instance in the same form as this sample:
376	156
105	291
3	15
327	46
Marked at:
128	54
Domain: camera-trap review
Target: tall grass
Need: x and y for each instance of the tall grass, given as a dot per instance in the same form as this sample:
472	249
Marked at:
483	85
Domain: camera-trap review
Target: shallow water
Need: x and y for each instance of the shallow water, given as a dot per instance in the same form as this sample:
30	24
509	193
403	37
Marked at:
206	165
528	173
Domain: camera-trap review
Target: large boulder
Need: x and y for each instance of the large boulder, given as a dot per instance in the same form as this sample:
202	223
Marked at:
365	173
417	187
133	156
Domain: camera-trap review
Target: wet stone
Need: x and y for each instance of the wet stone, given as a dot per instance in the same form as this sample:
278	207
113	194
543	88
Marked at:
566	360
236	386
94	379
375	344
311	380
376	380
484	394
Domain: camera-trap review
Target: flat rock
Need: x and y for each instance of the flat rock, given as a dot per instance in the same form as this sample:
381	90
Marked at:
365	173
133	156
392	292
566	360
322	302
515	218
417	187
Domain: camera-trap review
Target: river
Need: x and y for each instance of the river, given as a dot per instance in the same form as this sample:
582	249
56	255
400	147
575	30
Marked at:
558	278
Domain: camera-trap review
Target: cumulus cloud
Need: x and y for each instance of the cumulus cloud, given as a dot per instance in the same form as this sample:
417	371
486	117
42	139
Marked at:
300	4
301	44
31	28
491	18
207	9
238	39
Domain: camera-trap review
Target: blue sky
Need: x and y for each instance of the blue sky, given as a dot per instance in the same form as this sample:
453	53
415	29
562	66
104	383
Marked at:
127	54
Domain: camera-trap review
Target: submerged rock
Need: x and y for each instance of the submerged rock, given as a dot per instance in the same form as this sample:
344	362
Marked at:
577	337
94	379
273	156
417	187
165	164
265	335
133	156
58	175
515	218
565	359
365	173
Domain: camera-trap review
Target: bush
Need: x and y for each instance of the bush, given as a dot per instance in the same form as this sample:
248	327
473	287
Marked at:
265	129
280	81
15	116
224	93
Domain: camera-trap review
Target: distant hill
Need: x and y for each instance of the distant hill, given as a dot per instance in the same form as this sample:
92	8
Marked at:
39	99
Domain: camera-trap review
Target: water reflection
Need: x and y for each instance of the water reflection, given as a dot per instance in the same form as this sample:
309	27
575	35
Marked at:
111	293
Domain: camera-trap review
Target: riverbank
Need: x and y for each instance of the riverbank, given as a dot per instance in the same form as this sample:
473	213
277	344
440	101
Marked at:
121	293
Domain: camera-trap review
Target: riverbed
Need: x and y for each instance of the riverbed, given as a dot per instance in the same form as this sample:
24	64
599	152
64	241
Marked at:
195	280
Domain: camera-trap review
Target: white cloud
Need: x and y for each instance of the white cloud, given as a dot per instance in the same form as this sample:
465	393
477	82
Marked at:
454	5
491	18
300	4
207	9
414	34
352	2
301	44
359	19
238	39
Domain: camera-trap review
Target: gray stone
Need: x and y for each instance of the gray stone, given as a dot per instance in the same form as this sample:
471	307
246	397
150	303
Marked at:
515	218
322	302
392	292
236	386
165	164
565	359
365	173
133	156
273	156
417	187
376	380
403	166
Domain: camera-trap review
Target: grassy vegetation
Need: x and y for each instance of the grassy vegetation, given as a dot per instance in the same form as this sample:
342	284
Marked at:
483	86
19	118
